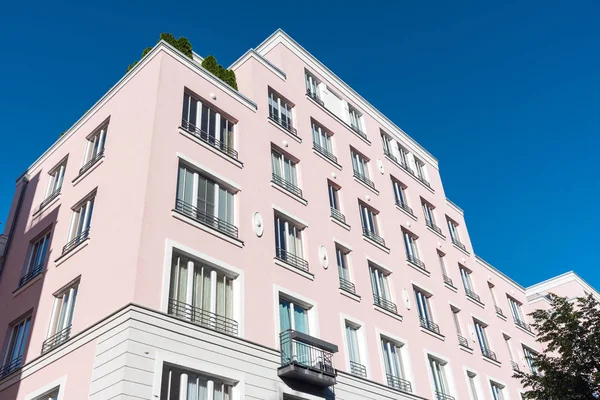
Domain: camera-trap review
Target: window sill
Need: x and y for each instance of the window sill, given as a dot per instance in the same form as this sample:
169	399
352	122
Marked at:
525	330
338	166
388	313
421	270
464	251
30	283
290	194
177	215
454	289
322	107
436	233
374	243
480	304
282	129
80	177
502	317
304	274
435	335
496	363
340	223
72	252
352	296
466	349
367	186
210	148
406	212
46	206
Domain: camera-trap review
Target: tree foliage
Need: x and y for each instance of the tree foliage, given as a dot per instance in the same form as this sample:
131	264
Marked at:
226	75
569	368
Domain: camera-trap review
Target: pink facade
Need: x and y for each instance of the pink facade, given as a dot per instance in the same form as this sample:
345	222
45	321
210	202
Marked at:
136	217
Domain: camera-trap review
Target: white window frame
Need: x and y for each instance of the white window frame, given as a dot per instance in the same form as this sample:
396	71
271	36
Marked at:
497	390
421	169
96	143
361	342
424	306
57	177
279	104
509	346
43	241
333	191
312	84
43	393
440	376
442	262
382	276
456	320
516	309
217	132
310	304
526	351
322	137
285	160
17	340
296	228
343	253
480	328
355	118
369	215
474	385
400	194
465	275
398	369
207	370
428	211
85	206
58	320
410	244
360	163
453	228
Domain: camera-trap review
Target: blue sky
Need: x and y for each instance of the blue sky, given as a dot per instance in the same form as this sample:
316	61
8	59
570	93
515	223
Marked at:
506	95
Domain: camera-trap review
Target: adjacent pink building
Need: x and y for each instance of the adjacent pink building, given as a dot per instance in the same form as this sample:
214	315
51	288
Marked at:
184	240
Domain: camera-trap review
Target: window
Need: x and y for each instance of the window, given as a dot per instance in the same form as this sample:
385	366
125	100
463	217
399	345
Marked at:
400	196
465	275
37	259
312	87
346	284
424	309
430	216
472	385
95	148
293	316
181	384
334	202
355	119
498	309
322	142
530	357
57	176
368	219
361	168
209	125
445	276
19	334
455	318
280	111
412	250
421	172
453	228
394	366
517	312
288	243
395	151
80	223
284	172
352	337
381	290
51	395
205	201
440	381
202	294
514	365
388	144
497	391
62	317
480	330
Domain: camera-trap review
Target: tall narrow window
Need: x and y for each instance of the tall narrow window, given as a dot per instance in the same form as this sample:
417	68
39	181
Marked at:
421	172
472	385
293	316
57	176
180	384
465	275
514	365
424	309
95	148
388	145
368	219
284	172
37	259
206	201
445	276
440	381
288	243
498	309
430	216
80	223
360	166
209	125
280	111
346	284
355	119
529	357
480	330
202	294
412	250
381	290
453	228
455	318
400	196
13	357
394	366
322	142
334	202
312	87
497	391
517	312
356	366
62	317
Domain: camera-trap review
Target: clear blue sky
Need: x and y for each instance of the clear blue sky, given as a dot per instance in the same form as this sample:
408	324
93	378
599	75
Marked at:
505	94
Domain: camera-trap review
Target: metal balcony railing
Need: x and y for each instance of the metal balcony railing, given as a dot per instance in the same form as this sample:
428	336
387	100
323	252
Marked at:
287	124
458	244
337	214
373	236
91	162
205	218
423	180
315	97
442	396
10	367
433	226
398	383
429	325
49	199
463	341
499	311
31	274
415	261
447	280
522	324
358	131
71	244
361	177
202	317
56	340
404	206
358	369
515	366
290	187
471	294
291	259
303	350
347	286
385	304
210	140
488	354
324	152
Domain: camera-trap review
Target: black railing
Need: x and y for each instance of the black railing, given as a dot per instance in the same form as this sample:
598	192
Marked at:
499	311
287	124
415	261
206	219
404	206
71	244
290	187
515	366
315	97
295	349
423	180
447	280
208	139
291	259
471	294
488	354
385	304
458	244
358	131
522	324
56	340
364	179
91	162
433	226
31	274
398	383
463	341
324	152
358	369
337	214
442	396
429	325
202	317
10	367
373	236
49	199
347	286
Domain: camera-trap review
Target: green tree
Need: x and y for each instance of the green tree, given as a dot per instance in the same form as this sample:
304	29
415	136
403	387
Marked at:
182	44
226	75
569	368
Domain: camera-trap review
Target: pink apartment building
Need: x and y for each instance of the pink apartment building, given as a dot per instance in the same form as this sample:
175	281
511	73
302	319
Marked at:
184	240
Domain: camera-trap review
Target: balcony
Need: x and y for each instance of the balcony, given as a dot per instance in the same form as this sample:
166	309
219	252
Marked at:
315	97
347	286
447	280
424	181
325	153
364	179
358	369
202	317
289	186
463	342
307	359
442	396
431	225
499	311
458	244
71	244
209	140
515	366
205	218
472	295
385	304
429	325
399	384
337	214
285	124
10	367
487	353
522	324
374	237
415	261
31	274
291	259
404	206
49	199
91	162
54	341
